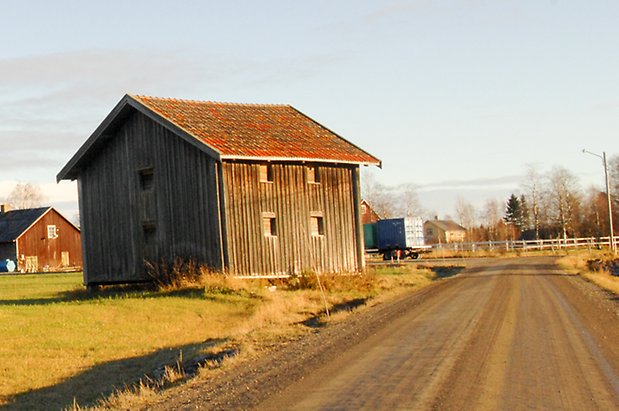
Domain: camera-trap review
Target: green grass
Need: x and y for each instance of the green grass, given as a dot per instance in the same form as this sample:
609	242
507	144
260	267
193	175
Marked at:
38	286
51	334
60	344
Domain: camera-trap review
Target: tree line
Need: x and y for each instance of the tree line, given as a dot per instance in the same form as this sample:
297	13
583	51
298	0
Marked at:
546	205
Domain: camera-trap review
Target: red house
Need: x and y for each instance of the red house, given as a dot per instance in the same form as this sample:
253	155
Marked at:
368	215
38	239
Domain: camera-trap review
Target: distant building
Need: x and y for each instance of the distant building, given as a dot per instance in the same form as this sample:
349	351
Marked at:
443	231
39	239
368	215
249	189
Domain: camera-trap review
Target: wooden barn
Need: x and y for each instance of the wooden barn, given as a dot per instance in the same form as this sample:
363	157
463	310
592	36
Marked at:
250	189
39	239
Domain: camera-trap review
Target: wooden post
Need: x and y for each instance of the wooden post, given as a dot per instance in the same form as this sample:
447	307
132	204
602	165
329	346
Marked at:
356	197
221	215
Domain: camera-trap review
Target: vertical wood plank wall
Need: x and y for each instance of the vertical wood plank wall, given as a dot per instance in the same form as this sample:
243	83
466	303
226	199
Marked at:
35	242
292	200
182	204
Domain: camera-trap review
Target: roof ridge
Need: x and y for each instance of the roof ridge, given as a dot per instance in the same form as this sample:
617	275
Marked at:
227	103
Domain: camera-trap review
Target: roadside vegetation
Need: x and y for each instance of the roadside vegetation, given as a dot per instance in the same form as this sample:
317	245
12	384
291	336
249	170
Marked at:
65	348
601	268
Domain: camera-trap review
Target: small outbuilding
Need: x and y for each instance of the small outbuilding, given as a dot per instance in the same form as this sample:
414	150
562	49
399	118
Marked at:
249	189
38	239
368	215
443	231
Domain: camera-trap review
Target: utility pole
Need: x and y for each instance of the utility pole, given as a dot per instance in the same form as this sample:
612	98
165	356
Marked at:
610	207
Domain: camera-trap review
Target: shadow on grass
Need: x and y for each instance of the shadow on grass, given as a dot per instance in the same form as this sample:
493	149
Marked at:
120	292
125	292
317	321
102	380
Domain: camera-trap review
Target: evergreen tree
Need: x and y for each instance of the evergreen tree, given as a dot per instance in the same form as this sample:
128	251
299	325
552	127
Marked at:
514	212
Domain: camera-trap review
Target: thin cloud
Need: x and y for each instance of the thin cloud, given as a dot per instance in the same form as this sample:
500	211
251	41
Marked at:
100	65
478	183
49	104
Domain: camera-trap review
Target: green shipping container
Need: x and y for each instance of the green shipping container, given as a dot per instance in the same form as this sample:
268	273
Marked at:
369	236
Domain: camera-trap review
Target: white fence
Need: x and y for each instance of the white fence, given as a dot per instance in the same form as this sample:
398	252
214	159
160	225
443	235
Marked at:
508	245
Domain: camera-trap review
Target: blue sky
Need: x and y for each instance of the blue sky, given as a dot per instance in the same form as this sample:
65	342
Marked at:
456	97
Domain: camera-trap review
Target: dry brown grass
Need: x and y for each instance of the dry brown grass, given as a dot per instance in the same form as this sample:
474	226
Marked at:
182	274
284	305
578	263
496	253
147	390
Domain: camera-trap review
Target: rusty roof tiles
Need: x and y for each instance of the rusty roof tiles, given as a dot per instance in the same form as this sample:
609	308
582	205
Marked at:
256	131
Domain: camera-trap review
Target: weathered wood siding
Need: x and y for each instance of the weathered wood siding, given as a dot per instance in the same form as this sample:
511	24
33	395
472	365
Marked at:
292	200
147	195
48	251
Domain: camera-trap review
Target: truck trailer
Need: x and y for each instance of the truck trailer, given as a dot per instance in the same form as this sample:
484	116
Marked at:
395	238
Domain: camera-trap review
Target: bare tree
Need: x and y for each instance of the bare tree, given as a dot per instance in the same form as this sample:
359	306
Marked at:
594	213
492	216
466	216
532	187
406	200
377	195
388	202
26	195
565	198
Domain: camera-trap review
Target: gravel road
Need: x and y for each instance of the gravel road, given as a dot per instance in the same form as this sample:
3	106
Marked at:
505	334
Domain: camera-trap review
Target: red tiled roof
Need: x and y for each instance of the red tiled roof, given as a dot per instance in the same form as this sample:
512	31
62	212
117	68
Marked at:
256	131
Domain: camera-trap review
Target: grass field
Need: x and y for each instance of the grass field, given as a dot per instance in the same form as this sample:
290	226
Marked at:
61	346
53	335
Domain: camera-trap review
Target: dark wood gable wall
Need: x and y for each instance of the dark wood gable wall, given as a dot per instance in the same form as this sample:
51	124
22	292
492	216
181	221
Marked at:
147	195
293	202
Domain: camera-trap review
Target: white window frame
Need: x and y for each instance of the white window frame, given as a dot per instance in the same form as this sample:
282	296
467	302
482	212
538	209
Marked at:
52	231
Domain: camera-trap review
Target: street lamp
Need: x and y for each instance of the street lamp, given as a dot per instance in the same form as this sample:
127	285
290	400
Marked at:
610	207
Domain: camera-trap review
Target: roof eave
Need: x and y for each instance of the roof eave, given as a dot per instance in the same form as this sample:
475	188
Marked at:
47	210
72	169
300	160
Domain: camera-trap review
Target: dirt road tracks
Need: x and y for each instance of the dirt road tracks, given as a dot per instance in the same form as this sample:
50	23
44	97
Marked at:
504	334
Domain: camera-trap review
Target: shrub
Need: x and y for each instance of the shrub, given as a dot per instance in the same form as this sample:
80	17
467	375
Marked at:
178	274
